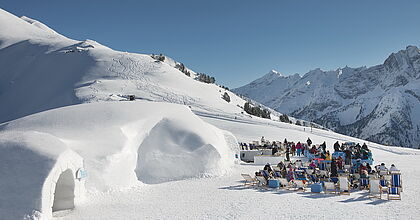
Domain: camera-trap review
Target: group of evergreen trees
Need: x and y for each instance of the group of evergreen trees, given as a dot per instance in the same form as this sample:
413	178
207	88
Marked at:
224	87
206	78
226	97
181	67
257	111
284	118
159	57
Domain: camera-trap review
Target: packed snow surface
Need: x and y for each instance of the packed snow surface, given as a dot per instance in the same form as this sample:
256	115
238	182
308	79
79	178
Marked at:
122	144
225	197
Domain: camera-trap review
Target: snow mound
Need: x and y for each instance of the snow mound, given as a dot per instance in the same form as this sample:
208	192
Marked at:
123	142
172	152
30	166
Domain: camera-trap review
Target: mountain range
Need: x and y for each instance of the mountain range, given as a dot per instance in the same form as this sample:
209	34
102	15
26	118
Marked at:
379	103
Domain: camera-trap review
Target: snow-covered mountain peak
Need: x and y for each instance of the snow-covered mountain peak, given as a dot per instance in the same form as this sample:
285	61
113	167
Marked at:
268	78
275	72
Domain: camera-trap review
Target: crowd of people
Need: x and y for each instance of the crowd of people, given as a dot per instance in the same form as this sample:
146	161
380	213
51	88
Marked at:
349	159
350	150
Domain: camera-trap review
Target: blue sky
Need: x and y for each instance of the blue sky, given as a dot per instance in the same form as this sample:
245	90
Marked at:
239	41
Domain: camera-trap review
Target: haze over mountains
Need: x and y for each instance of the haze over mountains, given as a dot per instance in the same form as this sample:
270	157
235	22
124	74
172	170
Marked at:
379	103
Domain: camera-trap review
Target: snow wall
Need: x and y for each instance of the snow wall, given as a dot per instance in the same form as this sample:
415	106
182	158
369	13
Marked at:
120	143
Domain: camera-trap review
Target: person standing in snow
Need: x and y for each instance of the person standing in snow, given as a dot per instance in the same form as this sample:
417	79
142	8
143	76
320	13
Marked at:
334	172
287	153
309	142
324	147
340	163
313	150
328	155
293	149
364	146
262	140
273	151
298	148
348	156
336	147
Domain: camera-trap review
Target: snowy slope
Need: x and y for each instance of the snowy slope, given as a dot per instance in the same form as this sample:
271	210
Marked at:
379	103
41	69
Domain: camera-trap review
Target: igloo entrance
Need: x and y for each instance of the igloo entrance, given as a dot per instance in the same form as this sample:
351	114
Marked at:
64	192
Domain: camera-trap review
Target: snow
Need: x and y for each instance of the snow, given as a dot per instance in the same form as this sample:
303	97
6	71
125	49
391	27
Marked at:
120	143
225	197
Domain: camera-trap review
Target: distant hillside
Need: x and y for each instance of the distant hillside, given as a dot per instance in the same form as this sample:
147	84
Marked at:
41	69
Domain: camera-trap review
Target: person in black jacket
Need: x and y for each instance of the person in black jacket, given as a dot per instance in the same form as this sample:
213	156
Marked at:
287	153
268	168
348	156
334	172
336	147
309	142
364	146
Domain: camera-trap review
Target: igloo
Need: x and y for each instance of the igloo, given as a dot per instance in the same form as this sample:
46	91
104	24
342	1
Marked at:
39	175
